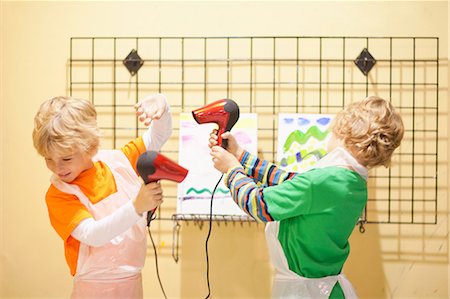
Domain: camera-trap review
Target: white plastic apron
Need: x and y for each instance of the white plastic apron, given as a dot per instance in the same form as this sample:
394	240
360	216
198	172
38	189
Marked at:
288	284
112	270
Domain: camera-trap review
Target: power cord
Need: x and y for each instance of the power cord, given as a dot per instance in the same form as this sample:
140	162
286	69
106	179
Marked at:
206	245
209	234
156	257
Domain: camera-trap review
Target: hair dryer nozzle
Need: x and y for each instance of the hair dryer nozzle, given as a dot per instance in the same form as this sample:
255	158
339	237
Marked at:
225	113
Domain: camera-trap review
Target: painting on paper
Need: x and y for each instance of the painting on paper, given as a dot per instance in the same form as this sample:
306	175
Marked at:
194	193
302	140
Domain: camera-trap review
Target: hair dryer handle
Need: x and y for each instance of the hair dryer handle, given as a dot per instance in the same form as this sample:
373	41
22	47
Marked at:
225	143
220	141
150	216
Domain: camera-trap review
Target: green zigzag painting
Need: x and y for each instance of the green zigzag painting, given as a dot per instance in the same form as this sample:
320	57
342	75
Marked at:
302	140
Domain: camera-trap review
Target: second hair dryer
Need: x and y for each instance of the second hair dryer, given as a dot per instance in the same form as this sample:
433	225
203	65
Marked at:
225	113
153	166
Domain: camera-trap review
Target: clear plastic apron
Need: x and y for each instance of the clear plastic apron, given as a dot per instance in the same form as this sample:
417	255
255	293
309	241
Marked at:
288	284
112	270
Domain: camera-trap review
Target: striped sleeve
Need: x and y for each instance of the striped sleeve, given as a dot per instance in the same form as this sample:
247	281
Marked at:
263	171
248	196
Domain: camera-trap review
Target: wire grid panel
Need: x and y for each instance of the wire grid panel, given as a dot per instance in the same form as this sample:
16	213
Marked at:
271	75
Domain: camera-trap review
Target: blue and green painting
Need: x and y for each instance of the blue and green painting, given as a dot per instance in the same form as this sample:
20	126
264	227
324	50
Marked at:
302	140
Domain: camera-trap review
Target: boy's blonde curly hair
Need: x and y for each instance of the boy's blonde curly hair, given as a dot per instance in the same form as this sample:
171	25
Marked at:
64	125
371	130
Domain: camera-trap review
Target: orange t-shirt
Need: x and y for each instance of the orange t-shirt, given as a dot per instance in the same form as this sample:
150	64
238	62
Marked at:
66	211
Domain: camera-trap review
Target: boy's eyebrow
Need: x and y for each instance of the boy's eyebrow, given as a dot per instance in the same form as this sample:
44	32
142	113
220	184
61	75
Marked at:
62	156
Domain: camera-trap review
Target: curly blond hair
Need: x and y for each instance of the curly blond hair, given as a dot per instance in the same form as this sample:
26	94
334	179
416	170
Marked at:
371	130
65	125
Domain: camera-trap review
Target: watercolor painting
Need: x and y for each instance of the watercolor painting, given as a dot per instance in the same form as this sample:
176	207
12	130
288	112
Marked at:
302	140
194	193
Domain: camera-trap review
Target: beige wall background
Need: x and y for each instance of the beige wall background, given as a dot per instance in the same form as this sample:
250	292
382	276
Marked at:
387	261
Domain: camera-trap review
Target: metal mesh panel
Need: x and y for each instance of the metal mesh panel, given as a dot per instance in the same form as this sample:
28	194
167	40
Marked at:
271	75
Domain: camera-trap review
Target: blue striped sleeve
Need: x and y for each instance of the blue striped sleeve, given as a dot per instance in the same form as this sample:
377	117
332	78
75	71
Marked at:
263	171
248	196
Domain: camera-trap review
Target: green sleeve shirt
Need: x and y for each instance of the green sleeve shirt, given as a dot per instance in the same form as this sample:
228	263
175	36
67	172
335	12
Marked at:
317	210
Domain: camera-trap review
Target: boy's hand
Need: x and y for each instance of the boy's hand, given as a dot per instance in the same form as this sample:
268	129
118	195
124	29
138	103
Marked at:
223	160
151	107
233	147
149	197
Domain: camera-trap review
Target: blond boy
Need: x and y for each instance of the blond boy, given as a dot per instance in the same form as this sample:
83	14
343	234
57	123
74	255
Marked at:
311	215
96	201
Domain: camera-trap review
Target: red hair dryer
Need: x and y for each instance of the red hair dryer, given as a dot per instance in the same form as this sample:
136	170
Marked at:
153	166
225	113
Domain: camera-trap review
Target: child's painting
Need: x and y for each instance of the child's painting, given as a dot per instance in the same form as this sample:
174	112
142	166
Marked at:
302	140
194	193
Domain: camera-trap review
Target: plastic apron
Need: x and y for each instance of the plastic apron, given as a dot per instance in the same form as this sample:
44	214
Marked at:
112	270
288	284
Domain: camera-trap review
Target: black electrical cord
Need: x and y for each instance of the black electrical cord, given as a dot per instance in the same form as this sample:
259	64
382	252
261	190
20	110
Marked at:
156	257
209	234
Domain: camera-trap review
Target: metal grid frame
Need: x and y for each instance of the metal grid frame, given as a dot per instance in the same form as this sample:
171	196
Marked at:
395	57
